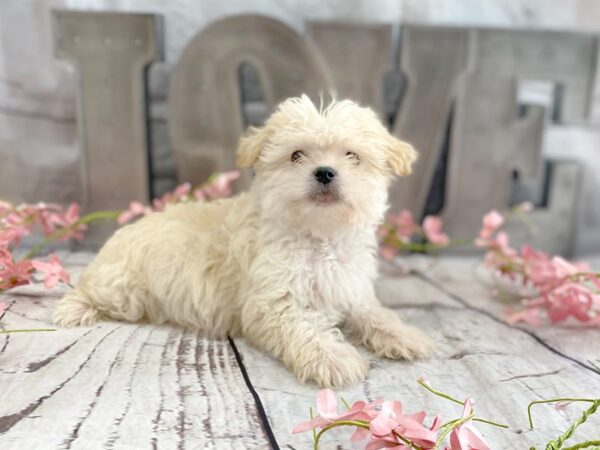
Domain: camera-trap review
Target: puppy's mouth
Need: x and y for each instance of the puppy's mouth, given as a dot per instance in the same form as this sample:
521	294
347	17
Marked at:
325	196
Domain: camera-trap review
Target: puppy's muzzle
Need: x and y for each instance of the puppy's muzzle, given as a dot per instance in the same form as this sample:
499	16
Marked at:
324	175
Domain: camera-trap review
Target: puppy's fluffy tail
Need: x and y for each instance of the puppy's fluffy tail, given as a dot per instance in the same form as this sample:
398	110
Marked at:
75	309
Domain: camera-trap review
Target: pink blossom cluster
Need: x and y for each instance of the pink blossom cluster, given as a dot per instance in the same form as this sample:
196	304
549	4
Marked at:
562	288
384	424
400	232
53	221
217	186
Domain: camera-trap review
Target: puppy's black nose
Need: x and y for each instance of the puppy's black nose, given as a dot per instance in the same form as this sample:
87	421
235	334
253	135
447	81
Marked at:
324	175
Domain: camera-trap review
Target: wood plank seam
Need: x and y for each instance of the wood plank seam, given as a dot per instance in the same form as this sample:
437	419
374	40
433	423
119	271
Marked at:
259	406
467	305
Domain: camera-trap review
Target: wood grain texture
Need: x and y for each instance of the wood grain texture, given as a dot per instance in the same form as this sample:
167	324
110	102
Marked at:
477	356
134	386
117	385
111	52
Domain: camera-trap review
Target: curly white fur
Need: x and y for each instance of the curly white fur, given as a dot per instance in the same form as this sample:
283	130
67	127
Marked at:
288	265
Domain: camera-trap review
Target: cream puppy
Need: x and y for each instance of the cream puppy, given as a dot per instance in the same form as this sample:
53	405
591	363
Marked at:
289	265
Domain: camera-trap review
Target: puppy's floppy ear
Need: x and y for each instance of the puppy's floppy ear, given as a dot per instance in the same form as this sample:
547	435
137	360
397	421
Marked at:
250	145
400	155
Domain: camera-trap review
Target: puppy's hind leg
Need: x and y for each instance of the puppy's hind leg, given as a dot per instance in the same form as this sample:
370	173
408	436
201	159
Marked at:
76	309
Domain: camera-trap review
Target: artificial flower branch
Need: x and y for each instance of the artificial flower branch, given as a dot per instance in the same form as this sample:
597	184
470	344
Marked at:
423	382
63	232
556	444
385	424
558	288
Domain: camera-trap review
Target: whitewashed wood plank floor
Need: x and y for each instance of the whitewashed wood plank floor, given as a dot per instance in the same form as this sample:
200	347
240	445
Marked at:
118	385
129	386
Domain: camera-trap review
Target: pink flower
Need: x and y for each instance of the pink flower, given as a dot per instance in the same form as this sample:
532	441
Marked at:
12	235
328	413
388	252
432	227
220	186
390	428
404	224
180	194
566	268
135	209
525	207
385	424
561	406
199	195
547	272
570	299
391	421
5	207
531	316
491	222
53	271
13	273
68	220
465	436
498	244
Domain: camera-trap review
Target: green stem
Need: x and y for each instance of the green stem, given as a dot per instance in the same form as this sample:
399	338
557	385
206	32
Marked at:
311	418
454	424
26	331
452	399
585	444
360	424
526	219
439	393
85	220
559	441
554	400
356	423
424	247
346	404
489	422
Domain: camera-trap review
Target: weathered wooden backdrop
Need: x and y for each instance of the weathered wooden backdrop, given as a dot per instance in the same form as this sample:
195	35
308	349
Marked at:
463	96
135	386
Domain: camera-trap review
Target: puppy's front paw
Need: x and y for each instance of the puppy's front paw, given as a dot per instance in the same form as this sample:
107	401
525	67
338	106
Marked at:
405	342
333	366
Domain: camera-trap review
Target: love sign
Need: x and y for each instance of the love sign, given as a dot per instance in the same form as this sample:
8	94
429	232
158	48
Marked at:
458	103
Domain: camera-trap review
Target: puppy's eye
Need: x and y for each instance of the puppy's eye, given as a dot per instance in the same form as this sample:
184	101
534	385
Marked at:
297	155
353	156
